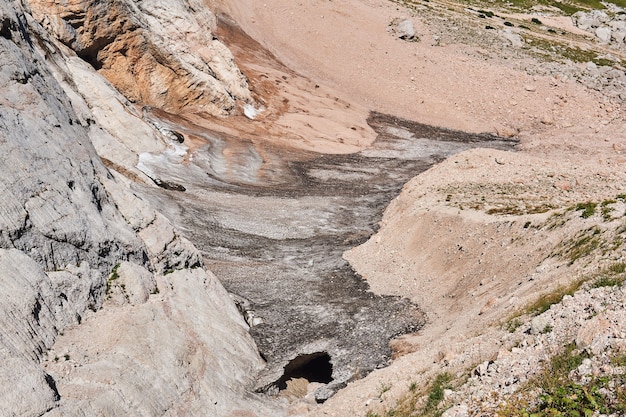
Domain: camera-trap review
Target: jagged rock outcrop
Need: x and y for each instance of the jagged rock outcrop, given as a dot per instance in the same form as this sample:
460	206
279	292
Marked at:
608	26
160	53
107	309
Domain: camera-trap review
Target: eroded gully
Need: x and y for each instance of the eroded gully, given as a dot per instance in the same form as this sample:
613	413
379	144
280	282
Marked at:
273	224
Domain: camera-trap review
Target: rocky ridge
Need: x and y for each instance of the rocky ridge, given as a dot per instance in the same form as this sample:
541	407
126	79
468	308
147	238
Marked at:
104	299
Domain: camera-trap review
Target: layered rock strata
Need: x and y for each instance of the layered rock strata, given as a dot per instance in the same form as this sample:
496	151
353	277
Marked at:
156	53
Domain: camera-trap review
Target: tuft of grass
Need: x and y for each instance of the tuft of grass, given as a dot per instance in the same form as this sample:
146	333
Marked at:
517	210
544	302
581	245
435	395
112	277
559	395
588	209
423	402
612	276
619	359
384	388
606	209
513	324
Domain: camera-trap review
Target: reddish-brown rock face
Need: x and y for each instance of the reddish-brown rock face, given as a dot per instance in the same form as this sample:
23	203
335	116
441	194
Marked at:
155	53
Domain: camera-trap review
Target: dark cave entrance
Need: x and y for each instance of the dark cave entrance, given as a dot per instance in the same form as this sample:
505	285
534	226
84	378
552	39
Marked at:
314	367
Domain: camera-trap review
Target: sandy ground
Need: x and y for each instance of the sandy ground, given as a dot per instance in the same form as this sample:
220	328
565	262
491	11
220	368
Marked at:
347	45
437	245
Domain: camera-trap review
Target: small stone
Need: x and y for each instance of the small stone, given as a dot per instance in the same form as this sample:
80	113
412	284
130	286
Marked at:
530	87
539	324
604	34
405	30
619	147
506	131
563	185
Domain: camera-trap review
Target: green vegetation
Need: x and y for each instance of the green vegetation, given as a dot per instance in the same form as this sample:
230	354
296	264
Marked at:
112	277
581	245
567	7
552	49
426	402
611	276
619	359
606	209
560	396
588	209
544	302
435	395
513	324
521	210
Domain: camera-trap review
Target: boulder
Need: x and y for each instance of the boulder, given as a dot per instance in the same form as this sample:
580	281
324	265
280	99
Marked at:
604	34
404	30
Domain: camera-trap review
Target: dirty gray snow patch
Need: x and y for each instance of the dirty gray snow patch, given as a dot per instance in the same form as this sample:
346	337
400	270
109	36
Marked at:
274	232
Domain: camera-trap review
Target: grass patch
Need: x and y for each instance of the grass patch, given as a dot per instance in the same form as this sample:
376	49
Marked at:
606	209
426	402
435	396
513	324
383	389
114	275
618	359
588	209
561	396
612	276
544	302
581	245
552	50
518	210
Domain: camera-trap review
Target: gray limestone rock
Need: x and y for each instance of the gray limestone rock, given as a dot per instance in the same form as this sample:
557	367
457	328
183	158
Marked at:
71	232
405	30
604	34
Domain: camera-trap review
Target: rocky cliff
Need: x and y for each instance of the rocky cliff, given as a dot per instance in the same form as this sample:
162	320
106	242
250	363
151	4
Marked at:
107	309
157	53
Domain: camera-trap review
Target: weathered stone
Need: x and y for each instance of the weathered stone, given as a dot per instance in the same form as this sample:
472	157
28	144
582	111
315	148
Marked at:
514	38
154	52
604	34
405	30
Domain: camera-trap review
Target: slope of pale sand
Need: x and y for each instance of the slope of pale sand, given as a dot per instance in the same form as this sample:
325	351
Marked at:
346	44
